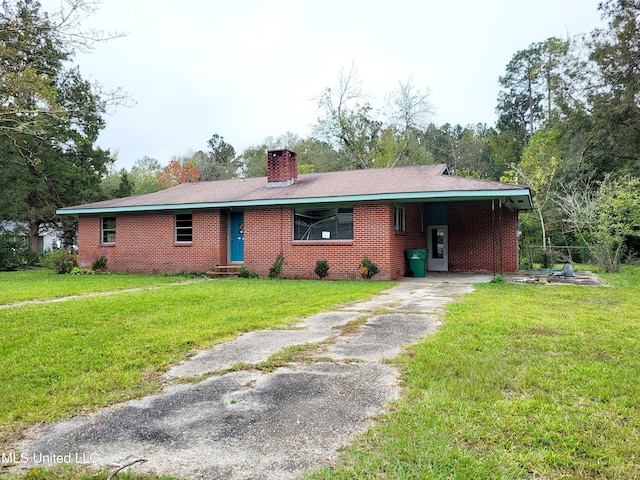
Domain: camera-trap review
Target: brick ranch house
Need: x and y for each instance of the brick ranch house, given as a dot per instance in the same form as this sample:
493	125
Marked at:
466	224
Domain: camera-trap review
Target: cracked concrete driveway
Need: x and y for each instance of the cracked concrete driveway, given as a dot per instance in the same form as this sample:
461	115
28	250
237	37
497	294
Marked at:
248	424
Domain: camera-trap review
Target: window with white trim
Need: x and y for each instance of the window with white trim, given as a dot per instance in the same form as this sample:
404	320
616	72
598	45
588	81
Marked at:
400	219
183	227
324	224
108	229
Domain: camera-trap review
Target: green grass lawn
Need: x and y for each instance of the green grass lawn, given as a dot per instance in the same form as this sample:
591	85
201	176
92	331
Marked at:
521	381
67	357
45	284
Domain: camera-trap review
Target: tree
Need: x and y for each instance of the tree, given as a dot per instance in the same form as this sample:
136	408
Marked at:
466	150
126	187
408	110
145	175
537	169
532	78
254	161
33	49
605	216
176	173
317	156
612	131
50	118
219	162
346	122
313	155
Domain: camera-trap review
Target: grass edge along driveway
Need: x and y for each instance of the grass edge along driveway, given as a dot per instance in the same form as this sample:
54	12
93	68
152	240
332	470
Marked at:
521	381
70	357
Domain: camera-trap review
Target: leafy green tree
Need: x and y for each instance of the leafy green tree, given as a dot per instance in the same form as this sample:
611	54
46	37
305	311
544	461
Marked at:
126	188
537	169
144	174
32	54
466	150
219	162
313	155
605	217
532	79
612	130
506	149
317	156
439	141
50	118
254	161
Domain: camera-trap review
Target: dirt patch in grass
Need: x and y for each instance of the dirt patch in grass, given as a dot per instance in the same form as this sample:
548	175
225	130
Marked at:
582	277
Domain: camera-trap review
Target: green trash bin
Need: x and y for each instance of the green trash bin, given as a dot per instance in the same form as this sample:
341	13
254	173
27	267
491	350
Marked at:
417	261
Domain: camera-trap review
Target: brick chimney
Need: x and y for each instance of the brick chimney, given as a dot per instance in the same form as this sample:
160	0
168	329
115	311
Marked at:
282	168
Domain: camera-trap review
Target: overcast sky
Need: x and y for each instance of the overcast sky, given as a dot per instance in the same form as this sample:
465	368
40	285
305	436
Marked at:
249	69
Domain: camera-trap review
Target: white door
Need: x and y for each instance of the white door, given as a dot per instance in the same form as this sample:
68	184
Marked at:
437	243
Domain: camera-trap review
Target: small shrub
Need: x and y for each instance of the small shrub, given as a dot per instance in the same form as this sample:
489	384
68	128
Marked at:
246	273
498	279
82	271
100	265
367	268
14	252
275	270
60	261
322	268
547	259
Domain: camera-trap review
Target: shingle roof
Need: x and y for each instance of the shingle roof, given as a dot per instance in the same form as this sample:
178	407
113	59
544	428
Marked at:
415	183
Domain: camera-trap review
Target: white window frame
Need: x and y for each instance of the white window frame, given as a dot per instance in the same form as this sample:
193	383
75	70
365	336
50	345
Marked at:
105	232
399	218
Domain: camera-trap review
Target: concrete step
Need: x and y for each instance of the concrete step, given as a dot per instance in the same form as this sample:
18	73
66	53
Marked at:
224	271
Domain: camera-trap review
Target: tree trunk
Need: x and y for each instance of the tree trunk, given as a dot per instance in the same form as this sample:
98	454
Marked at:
33	236
530	91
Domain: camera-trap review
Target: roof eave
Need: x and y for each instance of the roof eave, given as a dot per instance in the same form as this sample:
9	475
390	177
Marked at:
520	194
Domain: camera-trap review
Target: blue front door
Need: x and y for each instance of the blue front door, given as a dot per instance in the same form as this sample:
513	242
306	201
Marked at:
237	237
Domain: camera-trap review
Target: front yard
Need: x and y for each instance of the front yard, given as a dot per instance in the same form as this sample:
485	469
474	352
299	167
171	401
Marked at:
59	359
521	381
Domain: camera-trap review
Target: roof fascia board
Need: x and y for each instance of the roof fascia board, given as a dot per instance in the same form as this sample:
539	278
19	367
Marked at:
411	196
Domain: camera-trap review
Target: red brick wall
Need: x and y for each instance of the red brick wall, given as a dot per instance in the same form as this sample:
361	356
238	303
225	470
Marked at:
269	230
412	238
473	247
145	243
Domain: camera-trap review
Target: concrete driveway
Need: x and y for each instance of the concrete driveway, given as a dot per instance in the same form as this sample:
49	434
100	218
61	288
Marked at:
247	424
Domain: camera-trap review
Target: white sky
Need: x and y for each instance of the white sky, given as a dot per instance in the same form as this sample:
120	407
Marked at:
248	69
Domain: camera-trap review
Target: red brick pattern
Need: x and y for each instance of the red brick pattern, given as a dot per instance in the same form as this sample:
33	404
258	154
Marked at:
412	238
282	167
269	231
482	238
145	242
